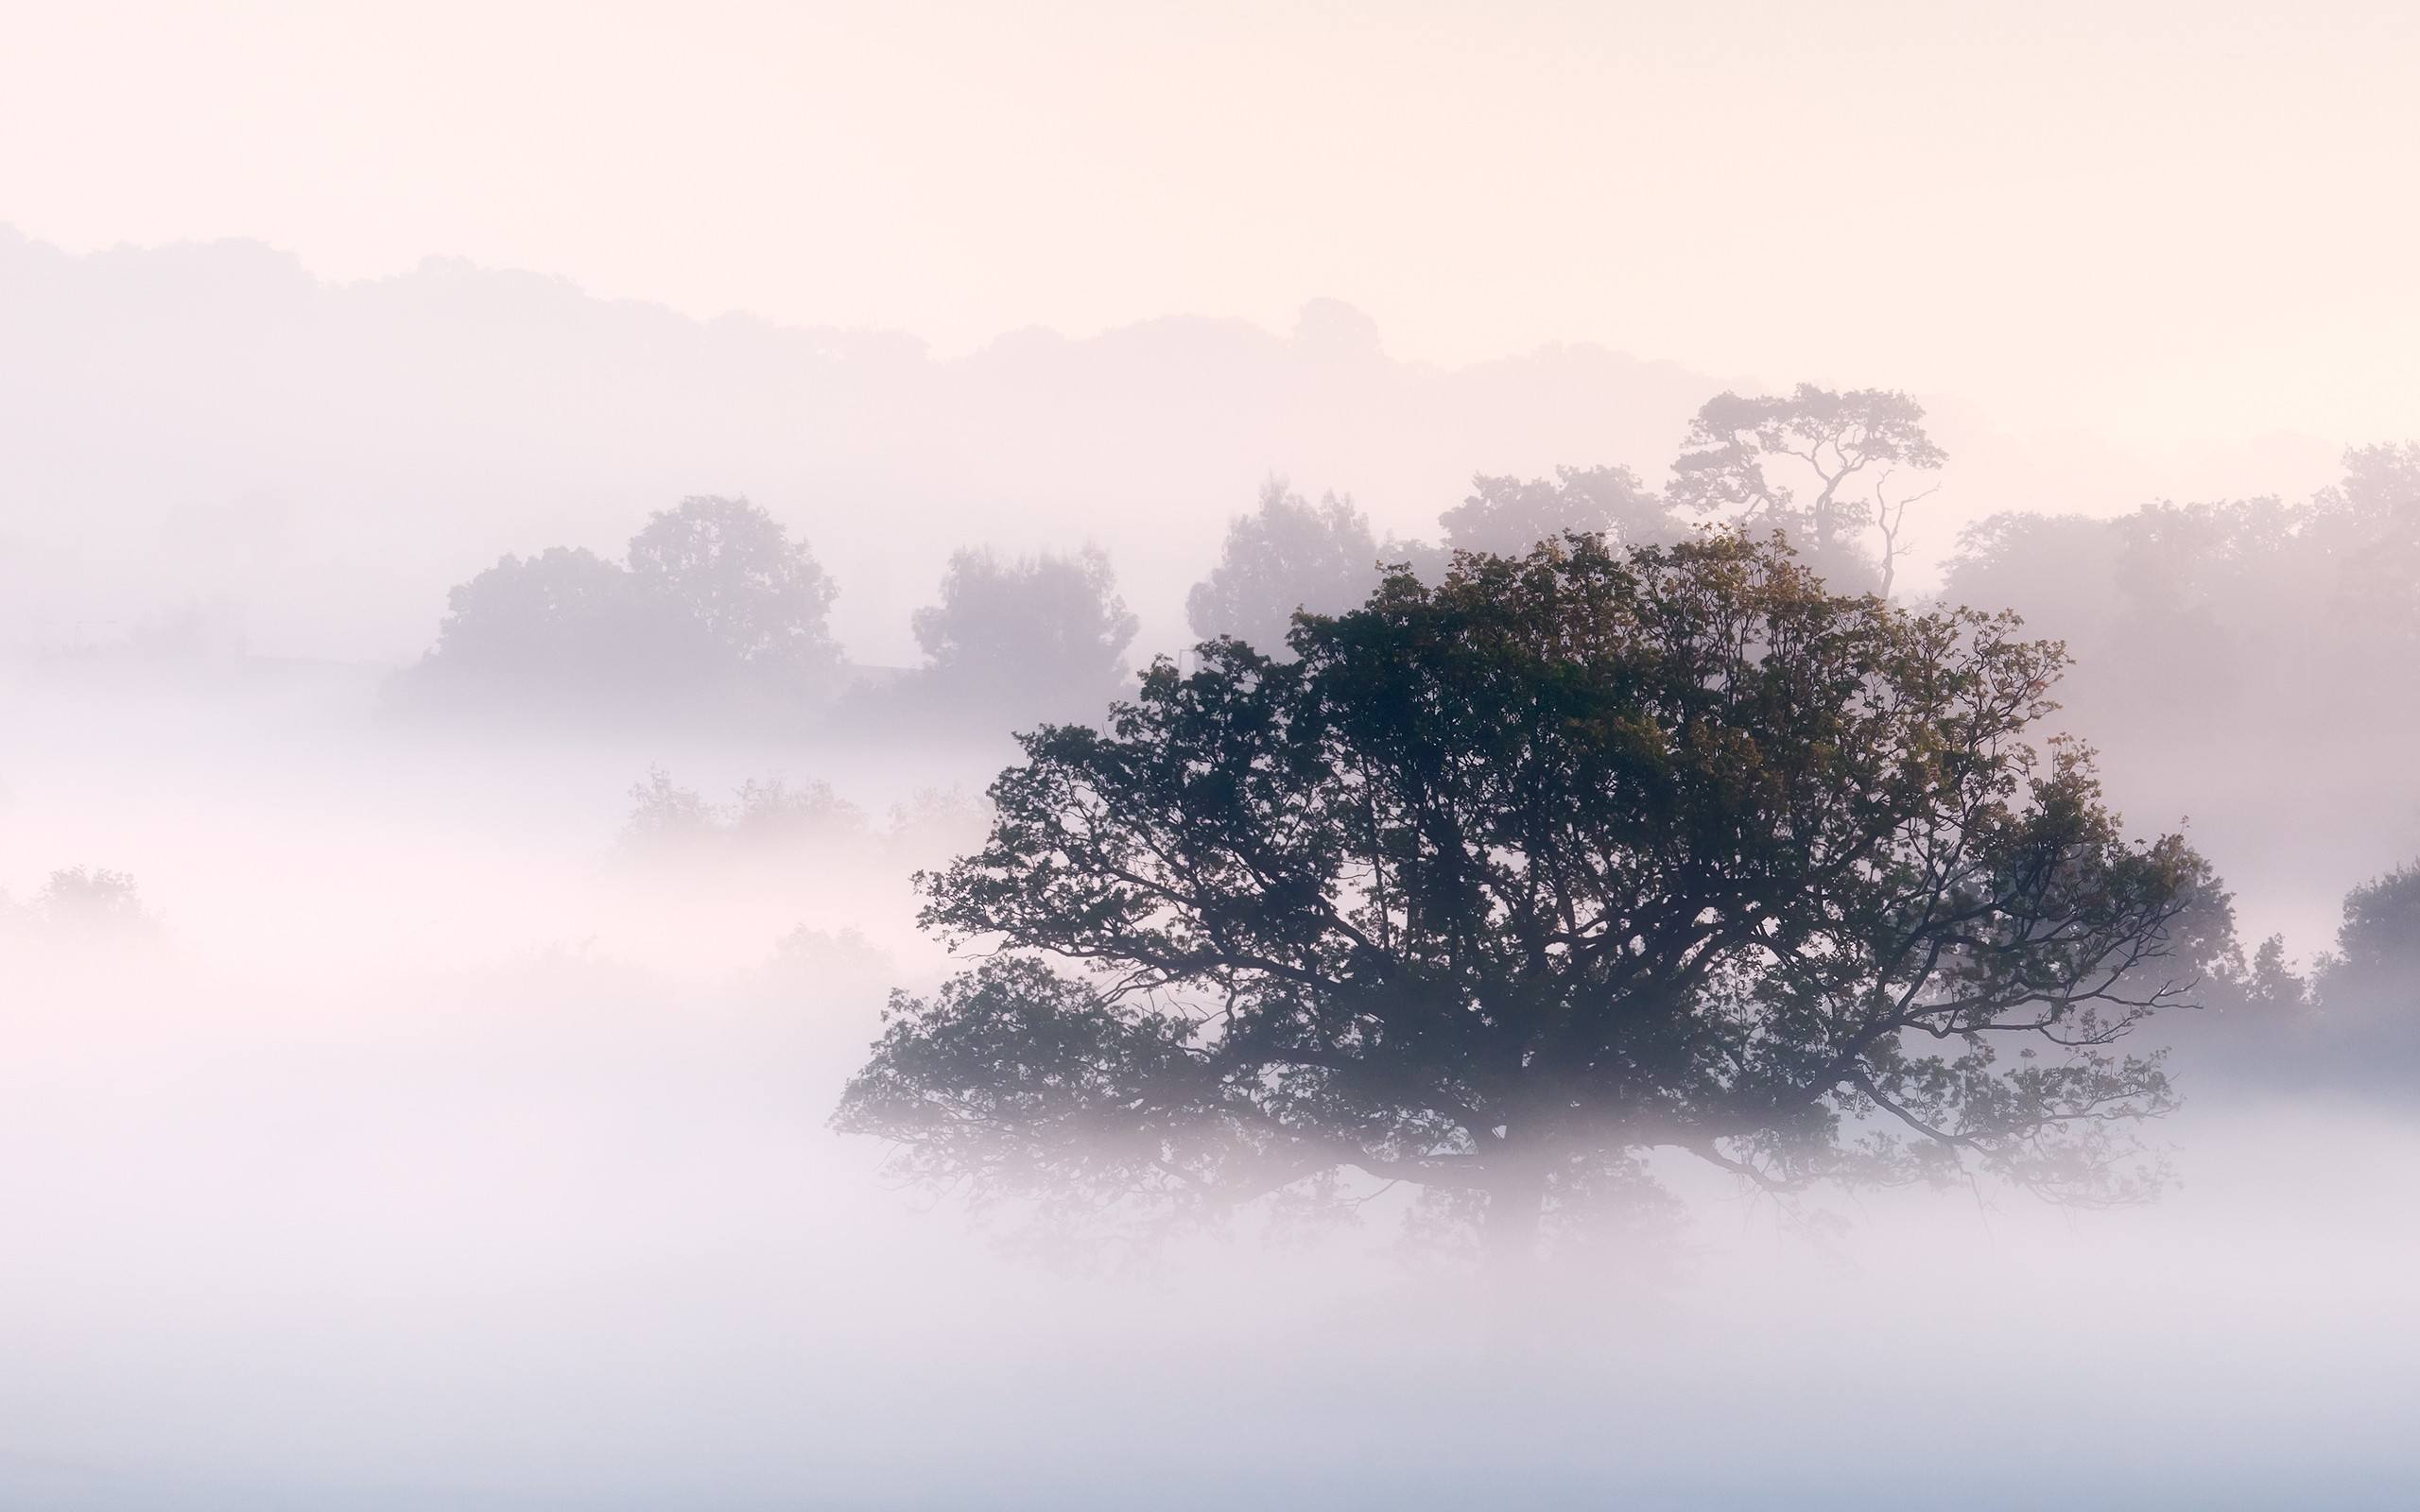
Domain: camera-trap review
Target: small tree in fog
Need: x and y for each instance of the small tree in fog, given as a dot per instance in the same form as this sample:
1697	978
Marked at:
1837	470
663	813
2369	526
758	594
1509	516
766	813
1286	555
2375	965
93	903
775	810
1503	882
1043	634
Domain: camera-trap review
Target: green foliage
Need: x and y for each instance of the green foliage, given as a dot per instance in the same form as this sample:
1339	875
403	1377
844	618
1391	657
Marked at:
1500	882
1101	1098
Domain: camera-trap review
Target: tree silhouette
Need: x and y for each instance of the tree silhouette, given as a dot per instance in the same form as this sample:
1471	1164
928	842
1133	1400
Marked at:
1040	635
716	603
2248	621
1284	556
93	903
759	596
568	622
1849	455
1508	516
2369	525
1501	883
2374	970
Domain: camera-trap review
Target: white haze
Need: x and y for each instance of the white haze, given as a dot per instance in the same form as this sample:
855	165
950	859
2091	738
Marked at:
440	1152
207	433
437	1149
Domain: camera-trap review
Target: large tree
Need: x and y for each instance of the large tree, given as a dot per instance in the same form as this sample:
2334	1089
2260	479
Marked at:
1836	469
1502	882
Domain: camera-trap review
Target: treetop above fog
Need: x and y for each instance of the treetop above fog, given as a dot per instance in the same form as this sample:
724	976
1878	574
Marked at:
715	595
1286	555
1508	515
1502	879
1046	632
1832	468
755	592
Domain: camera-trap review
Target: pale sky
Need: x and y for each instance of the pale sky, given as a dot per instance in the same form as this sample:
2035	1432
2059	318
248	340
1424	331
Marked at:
2177	224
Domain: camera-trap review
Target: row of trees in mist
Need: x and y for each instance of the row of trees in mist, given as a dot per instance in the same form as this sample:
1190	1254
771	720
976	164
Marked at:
714	604
780	820
2270	607
1835	472
715	607
2251	661
1621	822
1499	886
1511	869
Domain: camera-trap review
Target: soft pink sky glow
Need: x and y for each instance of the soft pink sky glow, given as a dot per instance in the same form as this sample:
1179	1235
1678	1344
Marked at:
2178	224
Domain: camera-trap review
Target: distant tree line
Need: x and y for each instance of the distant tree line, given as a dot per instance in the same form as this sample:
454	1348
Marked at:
715	607
2248	617
712	600
1514	862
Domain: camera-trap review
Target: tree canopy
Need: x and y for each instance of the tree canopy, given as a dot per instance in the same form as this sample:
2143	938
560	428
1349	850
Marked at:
1501	881
567	619
2249	620
1509	515
1284	556
1834	469
1043	634
759	595
2374	969
716	599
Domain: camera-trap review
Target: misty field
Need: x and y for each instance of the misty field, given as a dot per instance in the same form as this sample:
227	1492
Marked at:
958	754
436	1146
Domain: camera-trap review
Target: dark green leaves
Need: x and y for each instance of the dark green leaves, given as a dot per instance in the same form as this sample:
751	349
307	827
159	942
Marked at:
1569	855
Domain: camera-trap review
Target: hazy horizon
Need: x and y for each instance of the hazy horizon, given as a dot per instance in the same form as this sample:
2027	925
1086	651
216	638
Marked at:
566	418
1774	863
2006	190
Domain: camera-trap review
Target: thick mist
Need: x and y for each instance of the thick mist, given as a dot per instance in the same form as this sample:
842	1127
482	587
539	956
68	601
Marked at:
209	445
428	1155
436	1133
468	750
